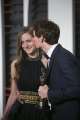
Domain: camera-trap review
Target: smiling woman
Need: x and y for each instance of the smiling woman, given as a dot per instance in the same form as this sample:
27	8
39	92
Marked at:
24	101
28	45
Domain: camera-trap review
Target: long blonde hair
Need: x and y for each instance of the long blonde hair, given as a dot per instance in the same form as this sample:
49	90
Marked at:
15	66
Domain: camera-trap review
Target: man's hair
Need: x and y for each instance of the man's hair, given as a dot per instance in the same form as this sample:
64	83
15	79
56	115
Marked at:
48	29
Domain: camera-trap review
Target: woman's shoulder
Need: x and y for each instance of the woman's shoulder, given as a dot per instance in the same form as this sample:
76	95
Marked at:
13	68
13	63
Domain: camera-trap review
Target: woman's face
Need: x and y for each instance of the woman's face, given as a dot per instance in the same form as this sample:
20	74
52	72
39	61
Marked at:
28	44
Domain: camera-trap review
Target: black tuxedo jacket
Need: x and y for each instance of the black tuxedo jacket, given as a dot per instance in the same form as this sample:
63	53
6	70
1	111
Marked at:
64	85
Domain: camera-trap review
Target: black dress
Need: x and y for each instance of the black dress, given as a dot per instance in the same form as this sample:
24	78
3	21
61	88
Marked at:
29	81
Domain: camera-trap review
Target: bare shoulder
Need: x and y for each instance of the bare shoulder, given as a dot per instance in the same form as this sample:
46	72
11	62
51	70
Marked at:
13	65
14	62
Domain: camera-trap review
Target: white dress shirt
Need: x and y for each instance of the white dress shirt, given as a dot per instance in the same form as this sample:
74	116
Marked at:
49	53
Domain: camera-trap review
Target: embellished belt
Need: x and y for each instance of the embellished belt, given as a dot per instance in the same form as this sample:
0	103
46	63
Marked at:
29	97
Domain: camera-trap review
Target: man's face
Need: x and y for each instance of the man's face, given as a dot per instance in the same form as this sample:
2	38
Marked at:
27	43
37	40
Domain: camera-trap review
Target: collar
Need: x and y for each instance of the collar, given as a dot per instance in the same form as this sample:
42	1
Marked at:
49	53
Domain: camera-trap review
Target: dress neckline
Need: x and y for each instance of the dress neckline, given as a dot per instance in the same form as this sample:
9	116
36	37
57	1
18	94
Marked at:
33	59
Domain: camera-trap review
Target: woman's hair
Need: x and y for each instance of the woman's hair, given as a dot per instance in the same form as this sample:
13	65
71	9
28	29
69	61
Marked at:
15	66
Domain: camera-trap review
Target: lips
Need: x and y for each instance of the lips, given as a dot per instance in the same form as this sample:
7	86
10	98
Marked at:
28	48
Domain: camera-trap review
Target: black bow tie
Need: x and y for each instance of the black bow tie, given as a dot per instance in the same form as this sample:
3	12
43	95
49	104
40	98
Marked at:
46	55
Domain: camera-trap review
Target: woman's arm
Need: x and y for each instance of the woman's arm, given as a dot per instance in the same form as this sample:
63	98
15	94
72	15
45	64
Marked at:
14	92
12	98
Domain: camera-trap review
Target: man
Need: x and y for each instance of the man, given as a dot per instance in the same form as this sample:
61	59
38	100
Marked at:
63	88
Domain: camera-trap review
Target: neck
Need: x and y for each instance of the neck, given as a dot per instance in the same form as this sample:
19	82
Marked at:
34	55
45	47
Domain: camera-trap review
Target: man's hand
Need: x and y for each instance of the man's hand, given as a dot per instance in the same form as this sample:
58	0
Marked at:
43	91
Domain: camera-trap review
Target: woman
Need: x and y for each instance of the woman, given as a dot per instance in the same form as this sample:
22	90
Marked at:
27	73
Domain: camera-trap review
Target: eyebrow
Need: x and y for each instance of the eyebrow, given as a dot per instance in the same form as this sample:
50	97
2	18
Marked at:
26	40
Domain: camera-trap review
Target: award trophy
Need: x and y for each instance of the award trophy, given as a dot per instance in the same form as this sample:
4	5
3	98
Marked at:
42	82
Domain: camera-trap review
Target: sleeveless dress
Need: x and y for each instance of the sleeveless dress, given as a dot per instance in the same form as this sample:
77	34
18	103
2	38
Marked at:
29	81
